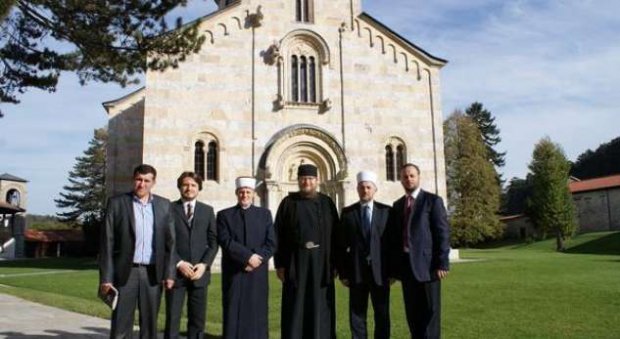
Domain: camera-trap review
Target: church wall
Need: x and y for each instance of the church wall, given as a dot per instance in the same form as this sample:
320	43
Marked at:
212	93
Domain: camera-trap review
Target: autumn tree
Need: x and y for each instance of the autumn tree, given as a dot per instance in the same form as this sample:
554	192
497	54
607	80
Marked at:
550	205
473	190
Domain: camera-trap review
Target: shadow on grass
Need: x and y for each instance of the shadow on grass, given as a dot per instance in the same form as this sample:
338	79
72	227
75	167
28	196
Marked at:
607	245
52	263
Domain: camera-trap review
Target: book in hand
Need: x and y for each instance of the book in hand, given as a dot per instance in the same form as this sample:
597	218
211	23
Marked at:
110	298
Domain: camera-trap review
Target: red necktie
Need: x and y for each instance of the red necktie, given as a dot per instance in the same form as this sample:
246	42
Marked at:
407	215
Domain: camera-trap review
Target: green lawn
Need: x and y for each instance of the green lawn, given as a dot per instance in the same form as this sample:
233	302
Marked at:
517	291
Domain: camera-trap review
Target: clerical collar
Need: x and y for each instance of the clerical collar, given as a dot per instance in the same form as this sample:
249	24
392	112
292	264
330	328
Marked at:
244	208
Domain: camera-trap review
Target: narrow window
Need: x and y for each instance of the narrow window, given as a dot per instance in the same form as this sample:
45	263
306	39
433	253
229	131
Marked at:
212	161
294	79
312	80
298	12
199	158
303	75
400	156
306	17
389	164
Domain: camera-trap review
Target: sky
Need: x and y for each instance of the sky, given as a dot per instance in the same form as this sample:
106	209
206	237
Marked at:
542	67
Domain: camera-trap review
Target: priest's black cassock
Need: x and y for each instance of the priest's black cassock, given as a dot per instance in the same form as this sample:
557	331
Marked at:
304	228
242	233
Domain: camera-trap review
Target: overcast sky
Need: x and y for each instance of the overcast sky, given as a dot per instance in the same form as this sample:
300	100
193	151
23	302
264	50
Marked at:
543	68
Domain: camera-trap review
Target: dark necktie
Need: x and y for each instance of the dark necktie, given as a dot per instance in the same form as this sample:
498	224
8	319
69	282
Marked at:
366	222
190	213
408	209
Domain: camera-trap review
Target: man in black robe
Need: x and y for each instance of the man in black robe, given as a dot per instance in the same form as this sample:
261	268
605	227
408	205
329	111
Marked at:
245	233
304	225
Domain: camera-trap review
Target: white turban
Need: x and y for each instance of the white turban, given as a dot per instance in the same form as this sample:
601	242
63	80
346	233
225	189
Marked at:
245	182
367	176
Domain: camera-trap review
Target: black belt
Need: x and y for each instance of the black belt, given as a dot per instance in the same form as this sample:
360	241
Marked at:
142	265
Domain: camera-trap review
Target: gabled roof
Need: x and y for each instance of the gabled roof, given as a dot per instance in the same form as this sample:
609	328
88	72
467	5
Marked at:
415	48
109	104
54	236
595	184
9	177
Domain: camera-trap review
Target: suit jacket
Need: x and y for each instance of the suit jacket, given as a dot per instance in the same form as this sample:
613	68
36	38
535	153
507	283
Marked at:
118	237
429	237
353	248
196	241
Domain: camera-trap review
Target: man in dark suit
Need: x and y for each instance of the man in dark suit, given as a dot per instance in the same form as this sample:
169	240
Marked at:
137	241
196	247
419	245
362	259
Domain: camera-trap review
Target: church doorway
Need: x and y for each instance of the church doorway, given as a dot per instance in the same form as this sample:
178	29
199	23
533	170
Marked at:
291	147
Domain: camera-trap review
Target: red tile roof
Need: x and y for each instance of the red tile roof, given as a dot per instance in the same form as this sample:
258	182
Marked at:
594	184
54	236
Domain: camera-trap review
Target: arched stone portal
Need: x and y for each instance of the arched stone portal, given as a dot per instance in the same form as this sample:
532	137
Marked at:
293	146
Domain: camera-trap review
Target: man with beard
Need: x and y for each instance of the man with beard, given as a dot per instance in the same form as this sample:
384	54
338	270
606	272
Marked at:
304	259
245	233
195	251
419	248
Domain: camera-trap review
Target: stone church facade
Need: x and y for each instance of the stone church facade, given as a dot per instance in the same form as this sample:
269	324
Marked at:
279	83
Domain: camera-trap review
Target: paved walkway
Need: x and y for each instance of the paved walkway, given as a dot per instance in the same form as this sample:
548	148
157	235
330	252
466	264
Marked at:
24	319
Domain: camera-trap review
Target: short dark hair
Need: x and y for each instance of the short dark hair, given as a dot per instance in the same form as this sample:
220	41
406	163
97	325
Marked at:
145	169
196	177
410	165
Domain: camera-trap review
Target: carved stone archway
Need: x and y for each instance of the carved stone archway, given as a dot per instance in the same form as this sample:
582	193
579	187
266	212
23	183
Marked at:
296	145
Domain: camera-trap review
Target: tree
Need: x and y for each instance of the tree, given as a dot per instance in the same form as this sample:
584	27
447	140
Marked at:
515	197
490	133
104	41
84	196
473	191
550	206
599	163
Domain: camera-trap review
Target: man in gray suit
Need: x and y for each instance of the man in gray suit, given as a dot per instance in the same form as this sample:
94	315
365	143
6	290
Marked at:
137	241
196	247
362	259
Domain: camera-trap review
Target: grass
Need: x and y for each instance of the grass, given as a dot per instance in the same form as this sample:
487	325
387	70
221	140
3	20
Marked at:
513	291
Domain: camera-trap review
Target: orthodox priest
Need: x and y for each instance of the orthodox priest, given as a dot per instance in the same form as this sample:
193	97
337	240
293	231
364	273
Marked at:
245	233
304	225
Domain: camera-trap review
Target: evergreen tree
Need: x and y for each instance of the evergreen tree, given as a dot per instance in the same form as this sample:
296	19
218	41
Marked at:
550	206
604	161
490	133
473	191
515	197
84	196
104	41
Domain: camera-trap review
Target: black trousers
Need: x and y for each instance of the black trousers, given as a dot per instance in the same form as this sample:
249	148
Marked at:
143	290
422	304
358	307
196	311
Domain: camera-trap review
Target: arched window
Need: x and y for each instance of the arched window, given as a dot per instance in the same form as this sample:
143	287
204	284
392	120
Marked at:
400	157
303	79
199	159
13	197
389	164
294	79
206	157
303	10
212	161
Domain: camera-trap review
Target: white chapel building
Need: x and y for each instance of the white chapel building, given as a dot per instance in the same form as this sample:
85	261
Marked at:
279	83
